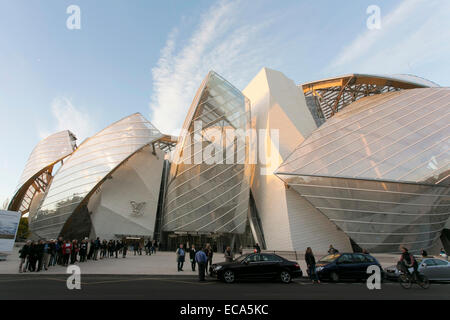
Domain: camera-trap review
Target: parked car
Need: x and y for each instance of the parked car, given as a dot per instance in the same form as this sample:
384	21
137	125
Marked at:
345	266
434	268
257	266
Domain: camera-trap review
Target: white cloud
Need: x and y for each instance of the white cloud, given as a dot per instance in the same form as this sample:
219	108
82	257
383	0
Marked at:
413	37
69	117
225	41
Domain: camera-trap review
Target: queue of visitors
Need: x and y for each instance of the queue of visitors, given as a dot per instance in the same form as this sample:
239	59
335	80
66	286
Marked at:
39	255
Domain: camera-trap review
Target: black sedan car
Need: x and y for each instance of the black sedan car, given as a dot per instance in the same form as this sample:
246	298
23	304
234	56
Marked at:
345	266
257	266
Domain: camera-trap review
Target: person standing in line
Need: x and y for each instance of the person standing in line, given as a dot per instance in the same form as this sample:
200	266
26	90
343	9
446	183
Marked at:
180	257
40	254
116	248
96	248
32	257
192	253
124	248
202	260
23	255
67	251
74	253
59	251
52	260
91	250
228	254
83	250
153	248
311	264
46	255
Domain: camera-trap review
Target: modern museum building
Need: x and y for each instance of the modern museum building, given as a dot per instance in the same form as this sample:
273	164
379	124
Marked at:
358	161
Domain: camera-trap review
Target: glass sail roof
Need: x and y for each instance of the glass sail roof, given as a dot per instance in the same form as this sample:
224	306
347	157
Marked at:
397	136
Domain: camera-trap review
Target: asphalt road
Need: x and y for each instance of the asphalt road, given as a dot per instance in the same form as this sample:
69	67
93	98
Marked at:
42	286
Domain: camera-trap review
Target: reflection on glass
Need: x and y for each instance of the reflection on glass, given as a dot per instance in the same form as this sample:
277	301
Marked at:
86	168
210	196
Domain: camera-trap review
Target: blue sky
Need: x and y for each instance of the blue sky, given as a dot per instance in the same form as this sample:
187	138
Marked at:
150	56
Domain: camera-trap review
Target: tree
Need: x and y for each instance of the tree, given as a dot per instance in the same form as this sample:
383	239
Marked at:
23	231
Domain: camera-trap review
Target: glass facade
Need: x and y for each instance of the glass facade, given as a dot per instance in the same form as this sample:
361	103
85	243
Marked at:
85	170
379	216
38	169
207	195
400	136
379	169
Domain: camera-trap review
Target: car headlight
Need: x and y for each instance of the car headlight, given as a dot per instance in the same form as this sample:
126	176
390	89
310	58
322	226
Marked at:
318	269
216	268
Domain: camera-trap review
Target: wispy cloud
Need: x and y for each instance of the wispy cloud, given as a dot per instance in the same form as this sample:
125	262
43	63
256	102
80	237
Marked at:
413	36
225	40
69	117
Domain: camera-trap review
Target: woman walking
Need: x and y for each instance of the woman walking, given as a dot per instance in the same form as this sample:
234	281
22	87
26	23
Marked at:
311	263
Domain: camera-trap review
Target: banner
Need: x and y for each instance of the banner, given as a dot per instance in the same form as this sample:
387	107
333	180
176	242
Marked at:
9	223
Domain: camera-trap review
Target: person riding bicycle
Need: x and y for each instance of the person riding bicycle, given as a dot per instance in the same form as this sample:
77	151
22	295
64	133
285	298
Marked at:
407	261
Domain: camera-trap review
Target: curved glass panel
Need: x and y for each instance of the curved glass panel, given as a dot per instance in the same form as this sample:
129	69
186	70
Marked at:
209	191
400	136
379	216
87	167
34	177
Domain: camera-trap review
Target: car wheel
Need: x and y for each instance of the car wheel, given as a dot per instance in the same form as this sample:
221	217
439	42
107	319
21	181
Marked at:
285	276
228	276
334	277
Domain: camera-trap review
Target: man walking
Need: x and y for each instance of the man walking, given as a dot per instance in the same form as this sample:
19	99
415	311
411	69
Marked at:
180	257
201	259
228	254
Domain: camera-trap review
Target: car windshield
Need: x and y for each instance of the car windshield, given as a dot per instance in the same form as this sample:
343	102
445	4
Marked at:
329	258
239	259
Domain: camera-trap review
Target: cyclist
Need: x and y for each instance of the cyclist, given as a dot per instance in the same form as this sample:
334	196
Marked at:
407	261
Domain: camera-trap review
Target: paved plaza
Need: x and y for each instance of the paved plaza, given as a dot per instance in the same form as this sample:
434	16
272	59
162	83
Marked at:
161	263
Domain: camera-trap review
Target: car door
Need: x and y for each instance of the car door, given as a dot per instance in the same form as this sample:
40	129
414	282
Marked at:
361	263
250	267
428	268
270	265
345	266
442	270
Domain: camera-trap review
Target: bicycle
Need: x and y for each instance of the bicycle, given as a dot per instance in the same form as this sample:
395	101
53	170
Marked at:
407	279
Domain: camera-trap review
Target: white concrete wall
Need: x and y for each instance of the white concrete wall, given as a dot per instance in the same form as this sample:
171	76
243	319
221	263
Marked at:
289	222
136	180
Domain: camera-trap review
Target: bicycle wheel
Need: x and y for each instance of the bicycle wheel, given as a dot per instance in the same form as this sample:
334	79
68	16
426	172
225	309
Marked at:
423	282
405	281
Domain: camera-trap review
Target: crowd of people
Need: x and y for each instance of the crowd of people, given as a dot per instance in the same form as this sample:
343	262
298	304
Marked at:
40	255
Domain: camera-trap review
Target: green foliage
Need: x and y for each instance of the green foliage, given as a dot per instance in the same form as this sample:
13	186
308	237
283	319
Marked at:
23	231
